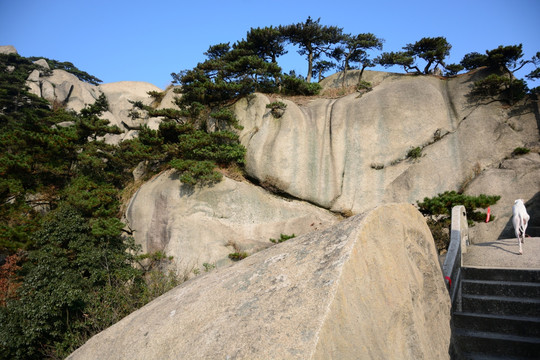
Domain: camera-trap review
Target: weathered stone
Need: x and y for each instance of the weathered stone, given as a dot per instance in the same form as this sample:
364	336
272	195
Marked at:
8	49
140	171
169	98
367	288
34	76
82	93
66	89
198	225
47	91
63	92
323	151
43	63
34	88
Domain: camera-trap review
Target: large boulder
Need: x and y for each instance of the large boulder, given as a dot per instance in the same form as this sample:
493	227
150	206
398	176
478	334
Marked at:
350	153
120	96
369	287
206	224
62	88
8	49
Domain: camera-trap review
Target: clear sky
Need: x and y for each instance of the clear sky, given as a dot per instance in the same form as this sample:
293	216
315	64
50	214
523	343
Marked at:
118	40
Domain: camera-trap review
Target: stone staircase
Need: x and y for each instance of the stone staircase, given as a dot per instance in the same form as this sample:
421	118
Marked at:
495	294
497	315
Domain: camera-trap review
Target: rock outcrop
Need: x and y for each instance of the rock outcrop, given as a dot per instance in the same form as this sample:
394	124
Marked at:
8	49
350	153
205	225
65	89
369	287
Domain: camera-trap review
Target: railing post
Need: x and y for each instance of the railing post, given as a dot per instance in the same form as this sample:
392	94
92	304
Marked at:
459	240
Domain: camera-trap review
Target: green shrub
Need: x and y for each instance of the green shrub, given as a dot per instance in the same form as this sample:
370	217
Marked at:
364	85
277	108
293	85
237	256
521	151
442	204
282	238
438	211
414	152
157	95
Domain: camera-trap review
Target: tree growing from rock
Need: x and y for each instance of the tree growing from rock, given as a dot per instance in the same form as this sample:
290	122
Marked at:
432	50
267	43
503	62
352	53
321	67
70	68
313	39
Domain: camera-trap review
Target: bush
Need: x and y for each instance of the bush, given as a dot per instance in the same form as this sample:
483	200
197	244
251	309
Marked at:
364	85
237	256
438	211
282	238
521	151
414	152
442	204
497	85
293	85
277	108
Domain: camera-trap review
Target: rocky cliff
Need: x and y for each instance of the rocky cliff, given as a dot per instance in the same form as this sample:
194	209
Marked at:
343	154
350	153
369	287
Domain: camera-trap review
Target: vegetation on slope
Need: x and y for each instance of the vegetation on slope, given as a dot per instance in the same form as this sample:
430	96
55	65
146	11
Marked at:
69	271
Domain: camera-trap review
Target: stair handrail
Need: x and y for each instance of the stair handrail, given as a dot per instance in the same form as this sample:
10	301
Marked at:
459	240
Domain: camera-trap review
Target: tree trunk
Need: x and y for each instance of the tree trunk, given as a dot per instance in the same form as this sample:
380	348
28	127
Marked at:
361	73
310	66
426	69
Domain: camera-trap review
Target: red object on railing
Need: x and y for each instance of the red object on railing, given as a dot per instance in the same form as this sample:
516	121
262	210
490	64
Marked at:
449	281
488	214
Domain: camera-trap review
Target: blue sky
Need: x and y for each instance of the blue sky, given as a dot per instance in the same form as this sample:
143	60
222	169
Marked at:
147	40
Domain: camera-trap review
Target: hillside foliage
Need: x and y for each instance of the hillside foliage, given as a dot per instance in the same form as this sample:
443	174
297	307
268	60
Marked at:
66	266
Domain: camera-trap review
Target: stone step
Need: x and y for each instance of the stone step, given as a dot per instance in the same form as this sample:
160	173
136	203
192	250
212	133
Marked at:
495	345
480	356
501	288
517	275
502	324
501	305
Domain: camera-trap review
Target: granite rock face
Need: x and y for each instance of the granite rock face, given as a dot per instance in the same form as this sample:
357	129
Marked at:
351	153
369	287
205	225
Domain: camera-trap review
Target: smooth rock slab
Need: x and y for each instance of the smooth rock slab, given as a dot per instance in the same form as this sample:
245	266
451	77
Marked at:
369	287
205	224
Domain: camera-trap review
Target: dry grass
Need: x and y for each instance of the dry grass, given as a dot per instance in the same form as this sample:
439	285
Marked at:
232	171
302	100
